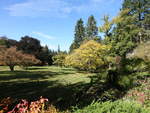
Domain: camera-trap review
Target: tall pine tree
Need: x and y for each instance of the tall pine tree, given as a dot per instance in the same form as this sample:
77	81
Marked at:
130	27
141	10
79	35
91	29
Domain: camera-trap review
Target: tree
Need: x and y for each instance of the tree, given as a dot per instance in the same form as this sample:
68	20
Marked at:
128	28
89	56
58	49
43	55
59	59
51	55
7	42
125	34
139	9
28	60
11	57
2	50
106	29
11	43
91	29
79	35
30	45
3	41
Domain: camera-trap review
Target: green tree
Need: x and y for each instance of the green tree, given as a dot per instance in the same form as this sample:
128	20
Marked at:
125	34
91	28
129	27
3	41
44	55
8	42
58	50
79	35
30	45
141	10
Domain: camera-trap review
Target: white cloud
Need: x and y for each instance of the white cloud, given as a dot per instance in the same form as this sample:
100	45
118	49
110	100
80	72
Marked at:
35	8
53	8
42	35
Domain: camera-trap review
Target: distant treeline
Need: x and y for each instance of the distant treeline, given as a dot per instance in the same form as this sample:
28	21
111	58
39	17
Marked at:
30	45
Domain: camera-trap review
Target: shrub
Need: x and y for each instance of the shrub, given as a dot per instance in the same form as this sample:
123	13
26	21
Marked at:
114	107
59	59
89	57
125	81
34	107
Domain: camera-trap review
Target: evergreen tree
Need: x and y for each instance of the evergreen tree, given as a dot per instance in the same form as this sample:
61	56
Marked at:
141	10
91	29
44	55
131	26
79	35
124	35
58	49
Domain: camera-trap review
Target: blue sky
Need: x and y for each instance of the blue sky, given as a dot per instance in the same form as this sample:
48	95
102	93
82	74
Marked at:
51	21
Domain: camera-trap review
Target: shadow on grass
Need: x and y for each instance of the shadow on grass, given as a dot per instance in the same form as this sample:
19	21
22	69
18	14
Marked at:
8	75
36	68
62	96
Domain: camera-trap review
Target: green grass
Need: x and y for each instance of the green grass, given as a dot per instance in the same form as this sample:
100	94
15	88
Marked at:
60	85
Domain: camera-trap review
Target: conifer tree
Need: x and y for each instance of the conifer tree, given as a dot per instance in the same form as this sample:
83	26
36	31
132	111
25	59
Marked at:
91	28
58	50
141	10
79	35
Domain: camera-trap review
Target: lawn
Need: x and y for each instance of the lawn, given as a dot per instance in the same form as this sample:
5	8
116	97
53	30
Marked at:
60	85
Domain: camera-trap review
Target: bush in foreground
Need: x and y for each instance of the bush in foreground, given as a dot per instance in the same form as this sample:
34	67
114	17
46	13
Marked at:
114	107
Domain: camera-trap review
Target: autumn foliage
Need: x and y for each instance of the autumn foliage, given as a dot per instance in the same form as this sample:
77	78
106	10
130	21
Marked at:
12	57
59	59
89	56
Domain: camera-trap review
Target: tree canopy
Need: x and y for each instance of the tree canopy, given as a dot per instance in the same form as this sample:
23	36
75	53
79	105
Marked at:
12	57
91	28
89	56
79	35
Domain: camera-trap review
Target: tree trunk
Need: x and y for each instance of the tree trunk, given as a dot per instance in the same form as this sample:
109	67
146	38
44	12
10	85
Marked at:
11	68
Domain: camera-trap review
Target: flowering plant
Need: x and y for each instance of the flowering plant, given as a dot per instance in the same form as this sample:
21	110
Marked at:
34	107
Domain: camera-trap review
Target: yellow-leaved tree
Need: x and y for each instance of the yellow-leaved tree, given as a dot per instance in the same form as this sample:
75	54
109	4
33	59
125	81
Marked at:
89	56
59	59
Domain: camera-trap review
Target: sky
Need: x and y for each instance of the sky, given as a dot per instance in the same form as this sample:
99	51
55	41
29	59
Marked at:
51	21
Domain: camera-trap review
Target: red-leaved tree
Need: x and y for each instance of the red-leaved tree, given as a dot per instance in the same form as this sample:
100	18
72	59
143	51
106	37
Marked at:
12	57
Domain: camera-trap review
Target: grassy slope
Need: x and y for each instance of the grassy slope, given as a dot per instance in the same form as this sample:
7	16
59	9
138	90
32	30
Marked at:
59	85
